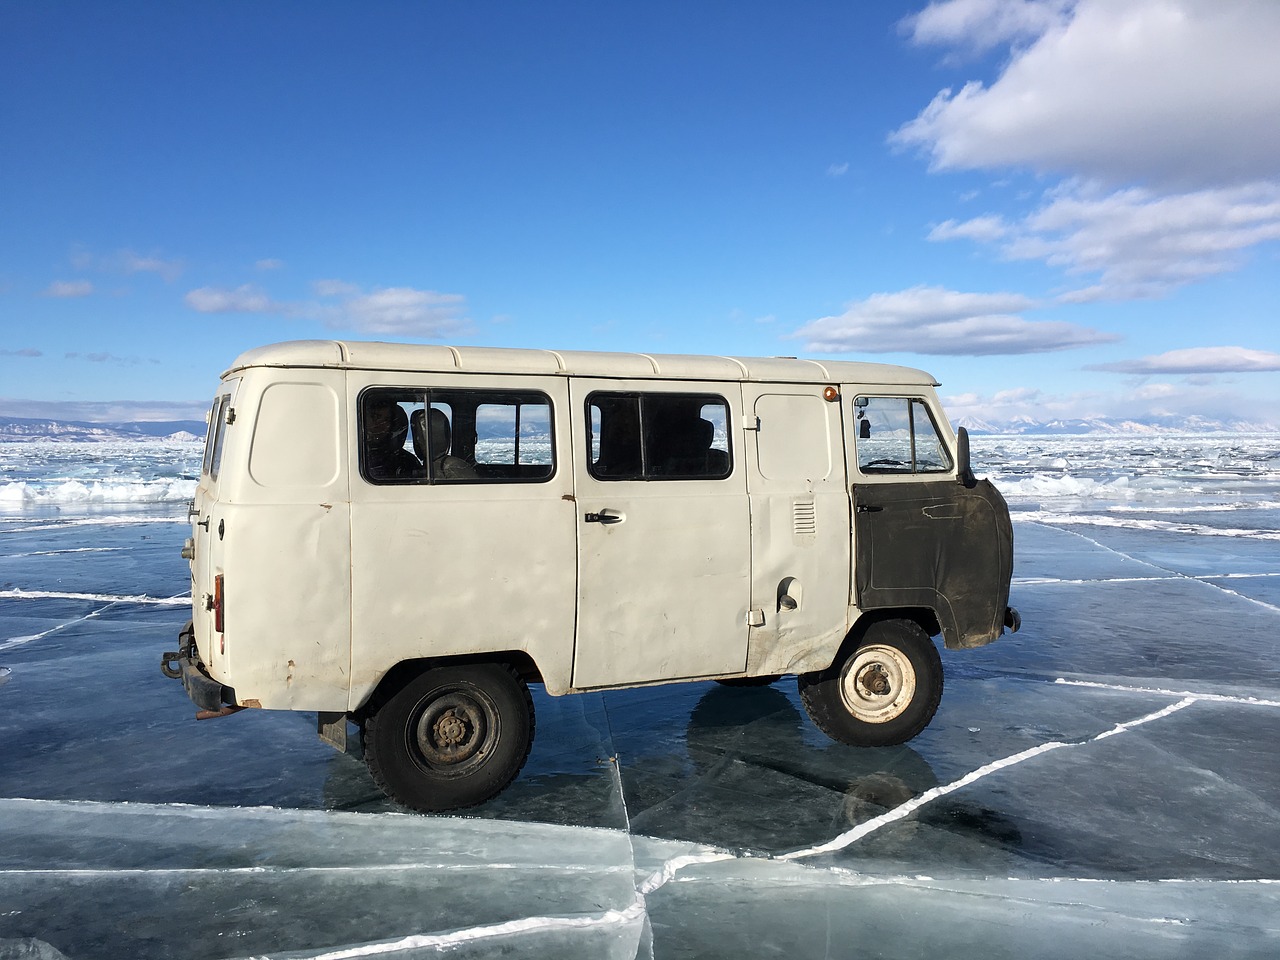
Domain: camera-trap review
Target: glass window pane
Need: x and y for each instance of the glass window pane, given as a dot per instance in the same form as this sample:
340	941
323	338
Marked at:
210	430
456	436
614	420
931	452
658	436
898	435
392	436
219	428
883	435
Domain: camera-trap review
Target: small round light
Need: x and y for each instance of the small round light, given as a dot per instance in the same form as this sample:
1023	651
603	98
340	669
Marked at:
830	394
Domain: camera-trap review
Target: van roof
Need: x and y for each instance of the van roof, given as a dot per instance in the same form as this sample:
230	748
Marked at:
416	357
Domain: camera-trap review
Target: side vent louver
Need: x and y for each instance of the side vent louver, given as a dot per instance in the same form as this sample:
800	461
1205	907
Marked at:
804	518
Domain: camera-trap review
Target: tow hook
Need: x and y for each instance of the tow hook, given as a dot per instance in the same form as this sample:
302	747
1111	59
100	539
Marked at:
1012	619
170	663
173	672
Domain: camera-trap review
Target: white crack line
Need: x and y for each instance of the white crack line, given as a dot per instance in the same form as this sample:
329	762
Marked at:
1207	580
901	811
19	594
1160	691
444	941
632	915
107	601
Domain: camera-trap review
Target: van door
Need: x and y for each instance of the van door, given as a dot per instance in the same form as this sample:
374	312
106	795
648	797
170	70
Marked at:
799	526
462	537
664	544
923	538
205	515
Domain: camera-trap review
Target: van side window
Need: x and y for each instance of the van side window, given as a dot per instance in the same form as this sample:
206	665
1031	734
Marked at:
658	436
898	435
208	436
434	436
218	433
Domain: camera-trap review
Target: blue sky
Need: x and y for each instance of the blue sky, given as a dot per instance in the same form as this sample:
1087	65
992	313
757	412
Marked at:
1057	207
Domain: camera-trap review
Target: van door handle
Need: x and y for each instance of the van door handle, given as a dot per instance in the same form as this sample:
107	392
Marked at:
603	517
868	508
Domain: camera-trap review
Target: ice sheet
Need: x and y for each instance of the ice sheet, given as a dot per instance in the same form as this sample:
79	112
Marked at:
1100	784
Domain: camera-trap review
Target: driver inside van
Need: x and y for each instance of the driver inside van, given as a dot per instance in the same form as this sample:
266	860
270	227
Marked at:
386	426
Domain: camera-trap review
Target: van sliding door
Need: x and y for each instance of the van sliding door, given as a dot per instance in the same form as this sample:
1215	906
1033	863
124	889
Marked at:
664	546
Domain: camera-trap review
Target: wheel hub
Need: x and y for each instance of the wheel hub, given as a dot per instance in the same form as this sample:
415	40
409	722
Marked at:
452	729
874	680
878	683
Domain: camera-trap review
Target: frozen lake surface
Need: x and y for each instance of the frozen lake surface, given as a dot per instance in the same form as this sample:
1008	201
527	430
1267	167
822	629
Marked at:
1101	784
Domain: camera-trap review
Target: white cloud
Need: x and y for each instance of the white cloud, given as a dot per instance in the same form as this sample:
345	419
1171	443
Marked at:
243	299
398	311
104	357
1135	242
69	288
1198	360
1172	93
22	352
132	262
127	262
837	169
270	263
984	229
980	25
104	411
1144	401
402	311
936	321
334	288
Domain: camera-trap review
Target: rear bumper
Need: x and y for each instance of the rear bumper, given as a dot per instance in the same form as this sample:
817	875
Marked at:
205	692
184	664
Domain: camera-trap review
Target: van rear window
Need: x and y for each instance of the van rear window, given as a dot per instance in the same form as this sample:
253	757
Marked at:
210	430
217	434
415	436
658	436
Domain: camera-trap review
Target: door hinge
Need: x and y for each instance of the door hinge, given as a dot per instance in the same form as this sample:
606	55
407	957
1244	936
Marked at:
755	618
750	422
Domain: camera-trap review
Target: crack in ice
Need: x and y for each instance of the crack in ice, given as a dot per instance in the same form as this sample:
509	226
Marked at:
903	810
444	941
17	593
107	601
1206	579
1195	695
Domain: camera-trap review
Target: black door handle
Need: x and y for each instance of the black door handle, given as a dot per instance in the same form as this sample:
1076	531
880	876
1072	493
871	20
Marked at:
868	508
602	517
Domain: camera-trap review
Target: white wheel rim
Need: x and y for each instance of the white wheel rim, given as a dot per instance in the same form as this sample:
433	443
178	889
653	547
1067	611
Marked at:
878	683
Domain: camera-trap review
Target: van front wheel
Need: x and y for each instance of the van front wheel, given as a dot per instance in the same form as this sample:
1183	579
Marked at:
451	737
882	692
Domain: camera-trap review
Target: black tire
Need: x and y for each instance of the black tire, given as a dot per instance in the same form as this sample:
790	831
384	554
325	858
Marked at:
764	681
882	691
451	737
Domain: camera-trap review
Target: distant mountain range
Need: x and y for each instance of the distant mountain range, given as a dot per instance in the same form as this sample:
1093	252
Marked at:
25	428
1114	426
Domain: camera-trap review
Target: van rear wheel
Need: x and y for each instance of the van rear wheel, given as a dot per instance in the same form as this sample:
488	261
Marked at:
882	692
451	737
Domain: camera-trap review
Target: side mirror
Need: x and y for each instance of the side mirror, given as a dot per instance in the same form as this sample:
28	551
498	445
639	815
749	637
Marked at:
864	429
964	471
